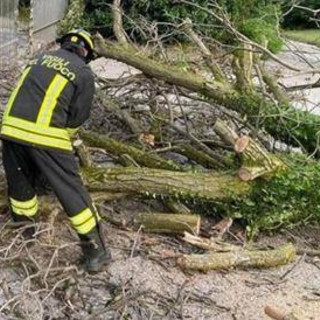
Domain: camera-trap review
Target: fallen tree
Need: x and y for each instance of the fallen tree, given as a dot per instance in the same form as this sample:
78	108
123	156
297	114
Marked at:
290	197
276	193
283	121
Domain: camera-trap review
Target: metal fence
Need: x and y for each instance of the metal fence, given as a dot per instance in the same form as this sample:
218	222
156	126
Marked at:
8	32
45	14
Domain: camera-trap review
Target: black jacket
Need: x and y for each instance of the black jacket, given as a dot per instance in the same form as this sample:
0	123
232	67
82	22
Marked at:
52	98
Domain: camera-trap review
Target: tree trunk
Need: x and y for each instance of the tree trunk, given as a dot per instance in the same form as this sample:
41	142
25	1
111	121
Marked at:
155	182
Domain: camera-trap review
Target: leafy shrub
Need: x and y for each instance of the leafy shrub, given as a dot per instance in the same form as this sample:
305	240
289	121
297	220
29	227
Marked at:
262	32
256	19
289	199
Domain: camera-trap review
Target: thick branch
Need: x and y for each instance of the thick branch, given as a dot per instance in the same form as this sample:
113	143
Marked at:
118	148
117	22
240	259
213	66
152	68
272	84
256	160
112	105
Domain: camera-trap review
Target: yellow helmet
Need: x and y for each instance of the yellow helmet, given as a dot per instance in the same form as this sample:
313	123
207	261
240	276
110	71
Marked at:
79	38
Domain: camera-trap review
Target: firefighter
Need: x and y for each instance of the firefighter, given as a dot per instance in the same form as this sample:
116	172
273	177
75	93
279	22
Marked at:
51	100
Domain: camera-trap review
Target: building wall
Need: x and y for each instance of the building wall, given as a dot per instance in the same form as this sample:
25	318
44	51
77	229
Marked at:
8	31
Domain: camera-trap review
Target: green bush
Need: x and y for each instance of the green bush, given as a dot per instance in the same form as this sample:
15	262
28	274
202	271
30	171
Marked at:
256	19
262	32
288	200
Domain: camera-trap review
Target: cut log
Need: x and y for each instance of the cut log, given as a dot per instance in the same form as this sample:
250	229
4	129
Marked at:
257	161
240	259
225	132
169	223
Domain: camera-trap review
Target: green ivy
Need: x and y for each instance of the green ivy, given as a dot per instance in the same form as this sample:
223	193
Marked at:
290	198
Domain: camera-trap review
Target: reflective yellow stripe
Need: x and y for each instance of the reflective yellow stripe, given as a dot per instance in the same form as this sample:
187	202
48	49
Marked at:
86	227
36	137
24	204
88	39
58	133
84	35
15	92
38	133
81	217
50	100
27	208
84	221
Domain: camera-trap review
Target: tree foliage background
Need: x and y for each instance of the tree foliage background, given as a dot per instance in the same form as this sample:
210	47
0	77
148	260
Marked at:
256	19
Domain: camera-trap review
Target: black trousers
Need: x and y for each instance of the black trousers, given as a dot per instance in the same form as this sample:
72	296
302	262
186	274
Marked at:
23	165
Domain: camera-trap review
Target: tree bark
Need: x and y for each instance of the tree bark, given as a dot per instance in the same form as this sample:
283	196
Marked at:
212	65
155	182
240	259
198	156
117	22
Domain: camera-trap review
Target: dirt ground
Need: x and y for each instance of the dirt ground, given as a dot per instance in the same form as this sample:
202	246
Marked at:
41	279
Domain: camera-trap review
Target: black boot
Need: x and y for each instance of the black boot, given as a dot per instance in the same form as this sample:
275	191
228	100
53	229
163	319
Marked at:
28	225
97	256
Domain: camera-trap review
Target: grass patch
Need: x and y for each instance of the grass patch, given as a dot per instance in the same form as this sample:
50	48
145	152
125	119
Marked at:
311	36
